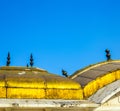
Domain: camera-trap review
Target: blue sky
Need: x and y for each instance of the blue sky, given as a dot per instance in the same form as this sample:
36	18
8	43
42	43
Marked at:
68	34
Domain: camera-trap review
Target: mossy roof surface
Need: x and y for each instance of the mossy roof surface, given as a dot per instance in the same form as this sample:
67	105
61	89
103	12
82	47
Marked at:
24	77
91	72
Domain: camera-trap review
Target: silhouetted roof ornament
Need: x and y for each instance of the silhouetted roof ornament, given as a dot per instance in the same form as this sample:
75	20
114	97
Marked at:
27	65
64	73
8	59
31	60
108	55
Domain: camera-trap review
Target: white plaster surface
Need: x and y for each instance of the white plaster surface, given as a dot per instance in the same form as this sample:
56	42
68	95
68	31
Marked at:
105	93
45	103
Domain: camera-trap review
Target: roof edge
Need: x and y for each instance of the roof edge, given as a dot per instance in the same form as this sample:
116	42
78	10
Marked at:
78	72
22	68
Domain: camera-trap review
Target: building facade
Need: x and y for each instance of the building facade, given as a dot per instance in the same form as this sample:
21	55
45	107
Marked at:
93	88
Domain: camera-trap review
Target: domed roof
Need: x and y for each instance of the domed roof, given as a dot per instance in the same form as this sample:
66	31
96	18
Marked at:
23	82
91	72
96	76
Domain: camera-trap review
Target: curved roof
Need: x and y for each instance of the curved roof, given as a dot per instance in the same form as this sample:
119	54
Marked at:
23	82
90	73
105	93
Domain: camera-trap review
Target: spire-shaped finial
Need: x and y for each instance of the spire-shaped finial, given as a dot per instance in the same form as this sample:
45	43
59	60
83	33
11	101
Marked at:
108	56
27	65
64	73
31	60
8	59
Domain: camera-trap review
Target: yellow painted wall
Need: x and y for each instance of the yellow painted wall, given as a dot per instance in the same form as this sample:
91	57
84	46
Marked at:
100	82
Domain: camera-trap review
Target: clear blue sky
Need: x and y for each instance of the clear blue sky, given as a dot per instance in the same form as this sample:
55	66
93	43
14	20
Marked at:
68	34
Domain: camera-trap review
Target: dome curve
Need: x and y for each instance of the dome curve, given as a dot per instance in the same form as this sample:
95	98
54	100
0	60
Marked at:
23	82
96	76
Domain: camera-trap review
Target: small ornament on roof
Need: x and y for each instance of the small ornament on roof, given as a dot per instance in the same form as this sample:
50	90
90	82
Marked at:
8	59
27	65
108	55
31	60
64	73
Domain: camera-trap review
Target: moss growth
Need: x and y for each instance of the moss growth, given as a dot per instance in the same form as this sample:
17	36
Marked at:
22	82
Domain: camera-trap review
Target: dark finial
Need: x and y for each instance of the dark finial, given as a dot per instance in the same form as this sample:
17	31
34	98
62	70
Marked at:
8	60
108	56
27	65
31	60
64	73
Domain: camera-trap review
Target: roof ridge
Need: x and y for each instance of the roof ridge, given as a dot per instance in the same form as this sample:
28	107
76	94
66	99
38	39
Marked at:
78	72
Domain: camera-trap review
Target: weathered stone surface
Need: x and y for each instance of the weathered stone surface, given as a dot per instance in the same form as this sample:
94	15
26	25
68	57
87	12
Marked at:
45	105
